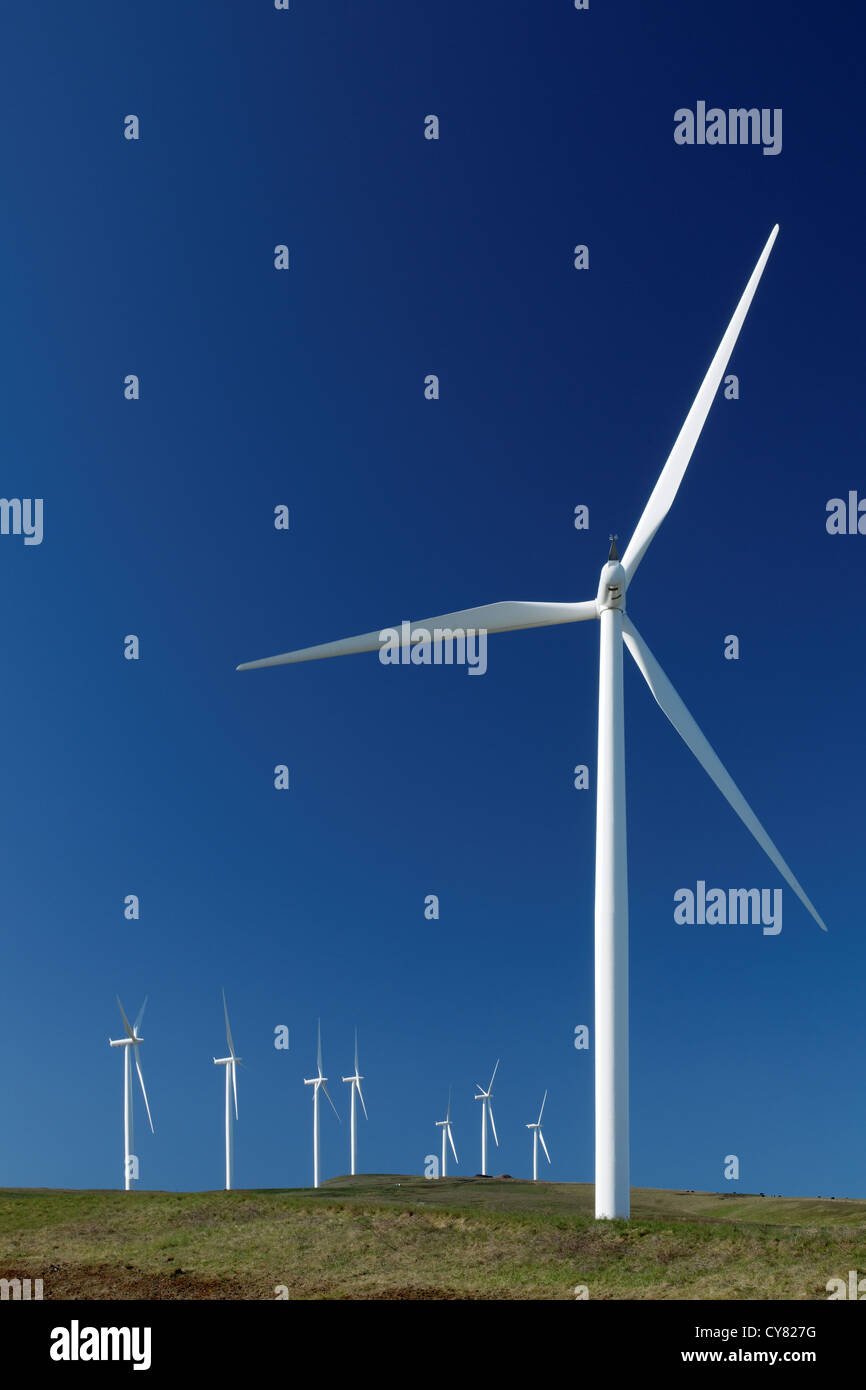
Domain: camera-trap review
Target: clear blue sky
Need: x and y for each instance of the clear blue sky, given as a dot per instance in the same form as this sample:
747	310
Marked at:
558	387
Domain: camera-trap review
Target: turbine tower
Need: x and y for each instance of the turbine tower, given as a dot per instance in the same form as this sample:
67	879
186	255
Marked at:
231	1064
611	882
486	1112
356	1091
318	1083
445	1126
536	1135
131	1041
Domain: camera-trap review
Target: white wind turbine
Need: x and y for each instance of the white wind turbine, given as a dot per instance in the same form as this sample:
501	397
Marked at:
318	1083
132	1041
231	1064
486	1112
445	1126
355	1092
536	1135
611	880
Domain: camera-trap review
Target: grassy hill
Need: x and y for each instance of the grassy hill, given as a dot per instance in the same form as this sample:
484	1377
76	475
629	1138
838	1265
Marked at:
393	1237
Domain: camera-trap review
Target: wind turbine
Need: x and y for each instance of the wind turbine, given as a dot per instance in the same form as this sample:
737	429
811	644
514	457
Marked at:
132	1041
445	1126
611	880
231	1064
318	1082
536	1135
486	1111
356	1091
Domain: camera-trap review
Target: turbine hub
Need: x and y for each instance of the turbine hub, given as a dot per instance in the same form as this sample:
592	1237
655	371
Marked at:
611	586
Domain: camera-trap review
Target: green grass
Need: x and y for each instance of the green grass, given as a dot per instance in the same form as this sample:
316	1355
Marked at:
393	1237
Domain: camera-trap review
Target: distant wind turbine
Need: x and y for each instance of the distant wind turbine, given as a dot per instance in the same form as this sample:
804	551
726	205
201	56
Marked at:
612	1198
132	1041
231	1064
355	1092
318	1083
486	1113
536	1135
445	1126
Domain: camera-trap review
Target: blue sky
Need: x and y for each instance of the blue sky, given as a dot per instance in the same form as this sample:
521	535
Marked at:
558	387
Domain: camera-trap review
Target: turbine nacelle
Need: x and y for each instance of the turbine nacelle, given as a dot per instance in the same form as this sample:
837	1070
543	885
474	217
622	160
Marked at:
611	586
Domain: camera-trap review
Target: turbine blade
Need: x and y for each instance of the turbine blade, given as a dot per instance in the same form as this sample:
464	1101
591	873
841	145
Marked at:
361	1098
665	490
234	1084
140	1014
543	1145
448	1111
492	617
126	1023
143	1091
541	1111
228	1029
492	1122
333	1106
495	1069
319	1053
356	1052
669	701
451	1142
